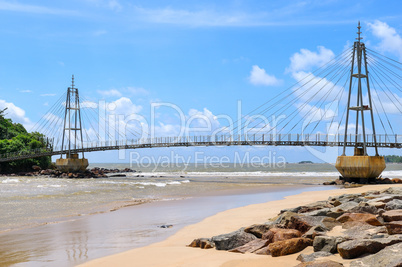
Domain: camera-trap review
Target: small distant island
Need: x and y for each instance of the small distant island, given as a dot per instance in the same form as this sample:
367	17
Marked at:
306	162
393	159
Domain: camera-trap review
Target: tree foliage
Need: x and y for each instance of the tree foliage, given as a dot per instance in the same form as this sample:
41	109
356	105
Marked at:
15	138
393	159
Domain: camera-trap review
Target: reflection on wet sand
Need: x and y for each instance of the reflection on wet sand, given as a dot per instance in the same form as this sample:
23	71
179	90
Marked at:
73	242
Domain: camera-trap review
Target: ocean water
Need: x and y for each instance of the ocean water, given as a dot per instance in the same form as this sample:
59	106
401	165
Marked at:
31	201
64	222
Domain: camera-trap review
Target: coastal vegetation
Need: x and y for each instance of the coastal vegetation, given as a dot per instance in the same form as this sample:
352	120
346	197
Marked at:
393	159
15	138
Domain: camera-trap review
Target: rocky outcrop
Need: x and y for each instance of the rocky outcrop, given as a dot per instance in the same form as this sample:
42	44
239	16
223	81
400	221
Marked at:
232	240
279	234
355	248
289	246
251	246
359	218
327	243
371	223
389	256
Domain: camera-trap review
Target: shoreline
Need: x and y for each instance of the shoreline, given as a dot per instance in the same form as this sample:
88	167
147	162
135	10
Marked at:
173	251
90	237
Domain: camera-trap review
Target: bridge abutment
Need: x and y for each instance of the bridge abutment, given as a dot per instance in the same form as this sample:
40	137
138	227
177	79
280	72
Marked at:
72	164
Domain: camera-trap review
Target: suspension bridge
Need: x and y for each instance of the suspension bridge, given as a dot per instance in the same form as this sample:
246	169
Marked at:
315	111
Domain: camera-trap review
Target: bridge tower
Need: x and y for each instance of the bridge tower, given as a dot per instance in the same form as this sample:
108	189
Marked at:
360	165
72	134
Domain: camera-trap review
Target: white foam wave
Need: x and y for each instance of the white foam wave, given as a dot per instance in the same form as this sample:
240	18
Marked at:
10	180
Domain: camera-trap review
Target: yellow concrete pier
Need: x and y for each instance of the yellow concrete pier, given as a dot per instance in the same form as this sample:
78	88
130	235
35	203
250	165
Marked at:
366	167
72	164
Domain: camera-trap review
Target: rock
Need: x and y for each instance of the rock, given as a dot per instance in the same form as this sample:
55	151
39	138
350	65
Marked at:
363	231
36	168
320	212
312	256
262	251
166	226
314	231
290	246
303	223
320	263
251	246
344	207
377	204
327	243
364	208
392	215
258	229
397	181
279	234
118	175
389	256
203	243
359	218
355	248
394	227
232	240
393	205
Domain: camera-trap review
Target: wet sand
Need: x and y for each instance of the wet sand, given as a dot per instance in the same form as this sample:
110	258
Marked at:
173	250
87	238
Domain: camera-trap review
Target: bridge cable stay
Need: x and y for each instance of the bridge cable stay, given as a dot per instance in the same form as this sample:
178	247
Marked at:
339	67
283	108
310	77
336	67
381	104
99	116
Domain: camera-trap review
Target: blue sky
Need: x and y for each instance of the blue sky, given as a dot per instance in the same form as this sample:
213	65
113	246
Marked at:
202	56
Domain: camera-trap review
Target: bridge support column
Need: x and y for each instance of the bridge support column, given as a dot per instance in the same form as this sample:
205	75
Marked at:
72	164
360	166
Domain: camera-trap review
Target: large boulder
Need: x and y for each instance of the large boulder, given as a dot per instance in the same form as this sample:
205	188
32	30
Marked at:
389	256
258	229
363	207
232	240
327	243
355	248
279	234
320	263
392	215
289	246
359	218
344	207
251	246
203	243
303	223
394	227
394	204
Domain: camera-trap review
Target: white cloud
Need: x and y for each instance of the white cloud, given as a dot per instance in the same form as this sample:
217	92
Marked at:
306	59
15	113
111	92
258	76
137	90
88	104
110	4
13	6
391	41
123	106
26	91
47	94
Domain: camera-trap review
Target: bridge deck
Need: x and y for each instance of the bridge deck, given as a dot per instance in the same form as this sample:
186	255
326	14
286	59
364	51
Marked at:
224	140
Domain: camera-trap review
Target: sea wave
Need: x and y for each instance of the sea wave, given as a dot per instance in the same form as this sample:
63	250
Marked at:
10	180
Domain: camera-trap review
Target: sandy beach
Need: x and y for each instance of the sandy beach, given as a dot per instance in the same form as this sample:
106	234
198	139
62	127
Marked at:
173	250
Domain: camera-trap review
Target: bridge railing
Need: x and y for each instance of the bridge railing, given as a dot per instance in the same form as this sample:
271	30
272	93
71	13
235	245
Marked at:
252	139
218	140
